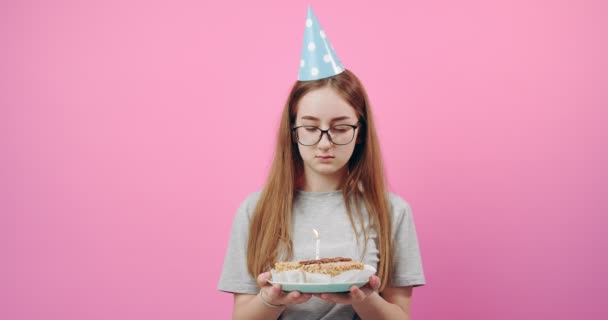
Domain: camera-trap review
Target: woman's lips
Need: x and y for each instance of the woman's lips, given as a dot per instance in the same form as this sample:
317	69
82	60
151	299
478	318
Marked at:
325	158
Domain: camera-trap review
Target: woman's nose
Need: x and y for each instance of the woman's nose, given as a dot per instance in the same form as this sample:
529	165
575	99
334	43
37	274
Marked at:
325	142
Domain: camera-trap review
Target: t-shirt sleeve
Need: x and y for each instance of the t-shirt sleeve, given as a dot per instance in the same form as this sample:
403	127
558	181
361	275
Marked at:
407	262
235	277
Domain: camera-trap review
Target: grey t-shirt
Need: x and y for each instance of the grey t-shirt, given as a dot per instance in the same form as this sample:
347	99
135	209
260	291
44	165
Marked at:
325	212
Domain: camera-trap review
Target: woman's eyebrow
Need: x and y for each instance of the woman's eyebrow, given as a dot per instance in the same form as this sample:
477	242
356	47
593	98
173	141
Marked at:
310	118
340	118
332	120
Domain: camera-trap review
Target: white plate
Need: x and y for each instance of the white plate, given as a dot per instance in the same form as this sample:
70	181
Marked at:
318	287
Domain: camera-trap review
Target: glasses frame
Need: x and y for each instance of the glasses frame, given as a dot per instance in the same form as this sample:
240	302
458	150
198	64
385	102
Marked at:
355	127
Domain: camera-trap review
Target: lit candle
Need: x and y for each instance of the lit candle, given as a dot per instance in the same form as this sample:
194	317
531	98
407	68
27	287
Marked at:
317	242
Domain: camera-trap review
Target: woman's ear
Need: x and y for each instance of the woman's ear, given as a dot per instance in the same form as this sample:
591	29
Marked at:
359	138
360	132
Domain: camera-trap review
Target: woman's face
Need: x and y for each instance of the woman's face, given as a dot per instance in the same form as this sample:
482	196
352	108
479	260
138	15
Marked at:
325	108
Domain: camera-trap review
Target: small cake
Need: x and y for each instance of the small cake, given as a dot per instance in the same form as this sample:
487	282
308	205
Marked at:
329	266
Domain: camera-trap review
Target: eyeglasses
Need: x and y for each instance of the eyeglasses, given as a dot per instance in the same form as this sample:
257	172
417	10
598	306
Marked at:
339	134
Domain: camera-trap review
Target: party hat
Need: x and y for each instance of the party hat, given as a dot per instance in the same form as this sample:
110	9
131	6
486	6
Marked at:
318	59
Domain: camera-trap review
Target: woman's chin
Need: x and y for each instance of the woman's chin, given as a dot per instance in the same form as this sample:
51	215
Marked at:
327	168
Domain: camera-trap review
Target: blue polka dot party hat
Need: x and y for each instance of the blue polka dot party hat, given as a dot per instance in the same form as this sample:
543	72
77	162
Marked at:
318	59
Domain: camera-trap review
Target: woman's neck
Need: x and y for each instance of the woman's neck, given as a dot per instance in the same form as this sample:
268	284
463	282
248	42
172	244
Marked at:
315	182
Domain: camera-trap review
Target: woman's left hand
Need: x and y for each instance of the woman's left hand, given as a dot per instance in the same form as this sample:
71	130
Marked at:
355	295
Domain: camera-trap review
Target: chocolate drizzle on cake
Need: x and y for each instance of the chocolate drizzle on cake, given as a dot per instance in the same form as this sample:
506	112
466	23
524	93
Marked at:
329	266
325	260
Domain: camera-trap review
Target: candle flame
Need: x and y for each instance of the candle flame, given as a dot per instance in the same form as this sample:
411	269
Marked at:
316	234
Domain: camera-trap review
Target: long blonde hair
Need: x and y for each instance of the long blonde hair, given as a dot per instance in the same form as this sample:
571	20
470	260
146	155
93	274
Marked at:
364	183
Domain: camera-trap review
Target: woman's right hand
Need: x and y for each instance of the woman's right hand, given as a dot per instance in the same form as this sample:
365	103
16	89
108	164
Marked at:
273	294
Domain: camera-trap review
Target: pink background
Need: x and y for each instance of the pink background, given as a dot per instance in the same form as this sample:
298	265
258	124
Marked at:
130	131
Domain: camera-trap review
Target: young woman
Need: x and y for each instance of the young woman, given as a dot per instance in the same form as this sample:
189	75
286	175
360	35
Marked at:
327	174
